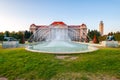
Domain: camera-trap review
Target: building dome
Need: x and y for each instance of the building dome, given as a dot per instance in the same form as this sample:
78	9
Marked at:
58	23
32	25
83	26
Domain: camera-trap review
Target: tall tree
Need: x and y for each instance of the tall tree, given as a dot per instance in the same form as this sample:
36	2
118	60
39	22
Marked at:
7	33
27	34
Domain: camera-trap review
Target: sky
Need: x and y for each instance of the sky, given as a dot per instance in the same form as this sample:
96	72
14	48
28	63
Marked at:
18	15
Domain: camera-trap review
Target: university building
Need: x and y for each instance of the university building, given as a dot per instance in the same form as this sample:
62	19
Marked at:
75	32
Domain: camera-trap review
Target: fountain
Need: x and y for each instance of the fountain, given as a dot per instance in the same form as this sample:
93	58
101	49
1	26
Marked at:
56	41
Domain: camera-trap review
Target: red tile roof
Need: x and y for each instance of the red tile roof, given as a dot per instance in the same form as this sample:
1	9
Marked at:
83	24
58	23
32	25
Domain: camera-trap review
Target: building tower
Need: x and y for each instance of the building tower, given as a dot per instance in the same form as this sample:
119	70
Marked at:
101	27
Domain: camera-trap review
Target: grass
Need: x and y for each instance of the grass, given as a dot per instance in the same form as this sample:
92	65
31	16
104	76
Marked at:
17	63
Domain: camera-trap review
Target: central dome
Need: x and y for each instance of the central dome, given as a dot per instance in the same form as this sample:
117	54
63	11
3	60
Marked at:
59	24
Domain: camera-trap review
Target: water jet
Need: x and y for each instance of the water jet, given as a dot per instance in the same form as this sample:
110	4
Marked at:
56	40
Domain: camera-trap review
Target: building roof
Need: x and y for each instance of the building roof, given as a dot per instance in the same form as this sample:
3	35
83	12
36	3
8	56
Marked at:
42	26
74	26
58	23
83	26
32	25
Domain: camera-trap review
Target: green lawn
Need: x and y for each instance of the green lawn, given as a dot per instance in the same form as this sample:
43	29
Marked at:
19	64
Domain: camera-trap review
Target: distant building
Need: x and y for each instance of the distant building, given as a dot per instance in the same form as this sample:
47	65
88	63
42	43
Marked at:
79	32
101	27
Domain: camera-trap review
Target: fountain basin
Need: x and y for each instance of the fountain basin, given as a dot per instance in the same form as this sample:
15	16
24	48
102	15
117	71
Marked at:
61	47
57	39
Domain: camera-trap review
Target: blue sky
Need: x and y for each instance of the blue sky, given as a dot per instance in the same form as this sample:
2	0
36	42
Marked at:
18	15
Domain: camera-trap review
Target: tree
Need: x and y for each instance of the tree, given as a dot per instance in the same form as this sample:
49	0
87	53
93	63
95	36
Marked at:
1	36
115	34
13	34
95	39
102	38
92	33
22	39
7	33
27	34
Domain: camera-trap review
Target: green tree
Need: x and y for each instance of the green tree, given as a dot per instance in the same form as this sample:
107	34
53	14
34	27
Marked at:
1	36
115	34
27	34
102	38
22	39
7	33
13	34
91	34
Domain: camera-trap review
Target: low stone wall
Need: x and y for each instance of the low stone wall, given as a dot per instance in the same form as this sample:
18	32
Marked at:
10	44
110	43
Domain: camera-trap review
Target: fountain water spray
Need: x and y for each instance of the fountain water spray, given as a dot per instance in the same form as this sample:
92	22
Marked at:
57	41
